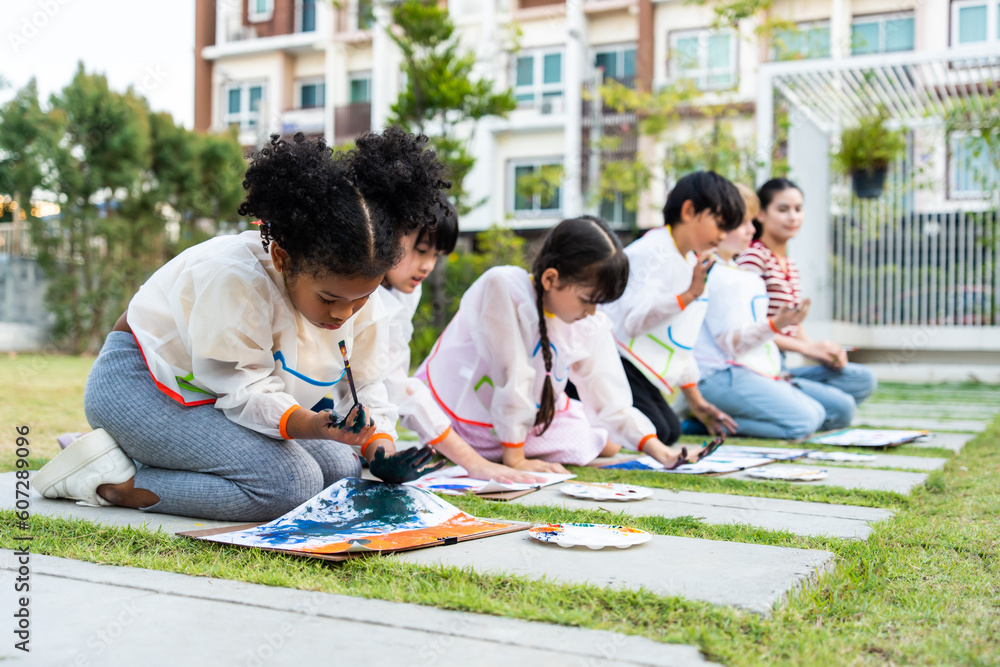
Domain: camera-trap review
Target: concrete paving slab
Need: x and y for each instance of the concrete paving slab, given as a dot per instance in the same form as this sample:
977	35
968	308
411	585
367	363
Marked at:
943	410
112	516
753	577
800	518
954	425
83	613
852	478
952	441
902	462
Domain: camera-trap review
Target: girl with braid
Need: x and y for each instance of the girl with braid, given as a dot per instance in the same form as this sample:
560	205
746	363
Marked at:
500	368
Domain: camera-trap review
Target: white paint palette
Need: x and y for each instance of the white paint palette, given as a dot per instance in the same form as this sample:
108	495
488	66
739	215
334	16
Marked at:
619	492
591	535
787	475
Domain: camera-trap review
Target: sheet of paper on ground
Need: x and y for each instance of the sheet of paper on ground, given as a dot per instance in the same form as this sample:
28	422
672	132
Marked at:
455	481
361	516
863	437
715	464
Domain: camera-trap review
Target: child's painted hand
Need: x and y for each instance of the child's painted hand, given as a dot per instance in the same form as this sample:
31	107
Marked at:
537	465
715	420
500	473
788	315
354	429
405	466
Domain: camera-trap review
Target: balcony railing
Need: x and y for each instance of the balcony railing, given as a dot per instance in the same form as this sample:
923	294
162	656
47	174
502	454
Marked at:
351	120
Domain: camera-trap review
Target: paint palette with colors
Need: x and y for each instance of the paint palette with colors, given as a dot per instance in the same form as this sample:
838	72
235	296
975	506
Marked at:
591	491
787	475
590	535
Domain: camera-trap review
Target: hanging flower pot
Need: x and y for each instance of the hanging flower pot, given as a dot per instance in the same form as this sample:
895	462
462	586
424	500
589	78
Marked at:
869	183
866	151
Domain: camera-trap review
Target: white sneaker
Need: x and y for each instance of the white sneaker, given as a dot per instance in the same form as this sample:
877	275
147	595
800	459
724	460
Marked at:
84	465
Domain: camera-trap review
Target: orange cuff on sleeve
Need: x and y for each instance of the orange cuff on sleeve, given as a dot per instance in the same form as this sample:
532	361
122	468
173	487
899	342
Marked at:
681	301
689	385
773	328
642	443
440	437
377	436
512	445
284	422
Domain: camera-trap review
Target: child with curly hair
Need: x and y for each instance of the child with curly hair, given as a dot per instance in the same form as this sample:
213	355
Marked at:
209	377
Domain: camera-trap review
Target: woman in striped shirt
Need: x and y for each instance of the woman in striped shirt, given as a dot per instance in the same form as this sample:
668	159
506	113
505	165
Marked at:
836	383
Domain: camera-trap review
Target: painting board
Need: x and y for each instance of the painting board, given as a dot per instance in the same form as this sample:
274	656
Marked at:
711	466
456	481
866	437
355	517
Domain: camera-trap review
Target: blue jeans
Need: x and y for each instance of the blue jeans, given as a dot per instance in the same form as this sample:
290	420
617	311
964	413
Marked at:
839	392
762	407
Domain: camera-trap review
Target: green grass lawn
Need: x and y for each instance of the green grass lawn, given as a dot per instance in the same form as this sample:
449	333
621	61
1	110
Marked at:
923	589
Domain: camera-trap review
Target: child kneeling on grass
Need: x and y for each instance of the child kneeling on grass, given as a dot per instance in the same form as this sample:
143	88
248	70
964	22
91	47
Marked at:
208	378
418	411
500	367
656	321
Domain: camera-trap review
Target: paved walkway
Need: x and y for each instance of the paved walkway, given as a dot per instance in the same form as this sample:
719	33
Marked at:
87	614
206	621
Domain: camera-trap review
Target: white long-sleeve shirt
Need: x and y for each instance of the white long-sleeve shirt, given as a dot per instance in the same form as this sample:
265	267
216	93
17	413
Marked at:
216	326
418	411
737	329
653	328
487	369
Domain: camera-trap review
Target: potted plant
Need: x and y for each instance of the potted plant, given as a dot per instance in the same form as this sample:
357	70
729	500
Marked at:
866	151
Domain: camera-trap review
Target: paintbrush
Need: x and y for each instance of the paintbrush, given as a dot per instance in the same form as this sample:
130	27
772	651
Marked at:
347	368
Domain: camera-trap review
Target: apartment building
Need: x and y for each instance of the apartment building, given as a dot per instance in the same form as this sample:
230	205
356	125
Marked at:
301	65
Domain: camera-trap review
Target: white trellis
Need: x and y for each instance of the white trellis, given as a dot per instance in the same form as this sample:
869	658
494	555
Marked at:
917	262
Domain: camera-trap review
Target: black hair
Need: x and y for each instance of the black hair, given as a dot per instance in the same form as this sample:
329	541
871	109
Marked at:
706	190
583	250
766	195
343	214
443	235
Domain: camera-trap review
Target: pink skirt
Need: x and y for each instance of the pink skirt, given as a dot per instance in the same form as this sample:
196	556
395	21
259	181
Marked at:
569	440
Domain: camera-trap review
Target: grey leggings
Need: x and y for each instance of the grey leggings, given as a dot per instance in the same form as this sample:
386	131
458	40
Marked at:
197	461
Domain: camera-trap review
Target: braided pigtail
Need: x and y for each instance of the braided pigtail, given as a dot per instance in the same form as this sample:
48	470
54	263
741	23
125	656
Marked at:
547	406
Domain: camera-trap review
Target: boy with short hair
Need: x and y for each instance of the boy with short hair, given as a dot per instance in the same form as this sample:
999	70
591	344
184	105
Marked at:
656	321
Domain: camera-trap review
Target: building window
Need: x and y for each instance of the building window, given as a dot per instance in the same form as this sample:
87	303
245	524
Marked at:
974	22
806	40
884	33
361	88
706	57
972	171
364	13
312	94
307	15
243	105
538	81
618	63
260	10
533	188
615	212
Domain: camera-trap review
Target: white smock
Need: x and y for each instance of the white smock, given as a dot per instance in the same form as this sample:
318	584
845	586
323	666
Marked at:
487	370
653	329
737	330
216	326
418	411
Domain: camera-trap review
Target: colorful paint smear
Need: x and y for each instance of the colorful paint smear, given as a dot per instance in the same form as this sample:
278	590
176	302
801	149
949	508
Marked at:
357	515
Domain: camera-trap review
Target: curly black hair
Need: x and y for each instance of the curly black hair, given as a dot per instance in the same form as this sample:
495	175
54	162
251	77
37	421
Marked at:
343	214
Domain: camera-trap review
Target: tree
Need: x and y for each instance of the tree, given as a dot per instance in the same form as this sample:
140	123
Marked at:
440	92
119	173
